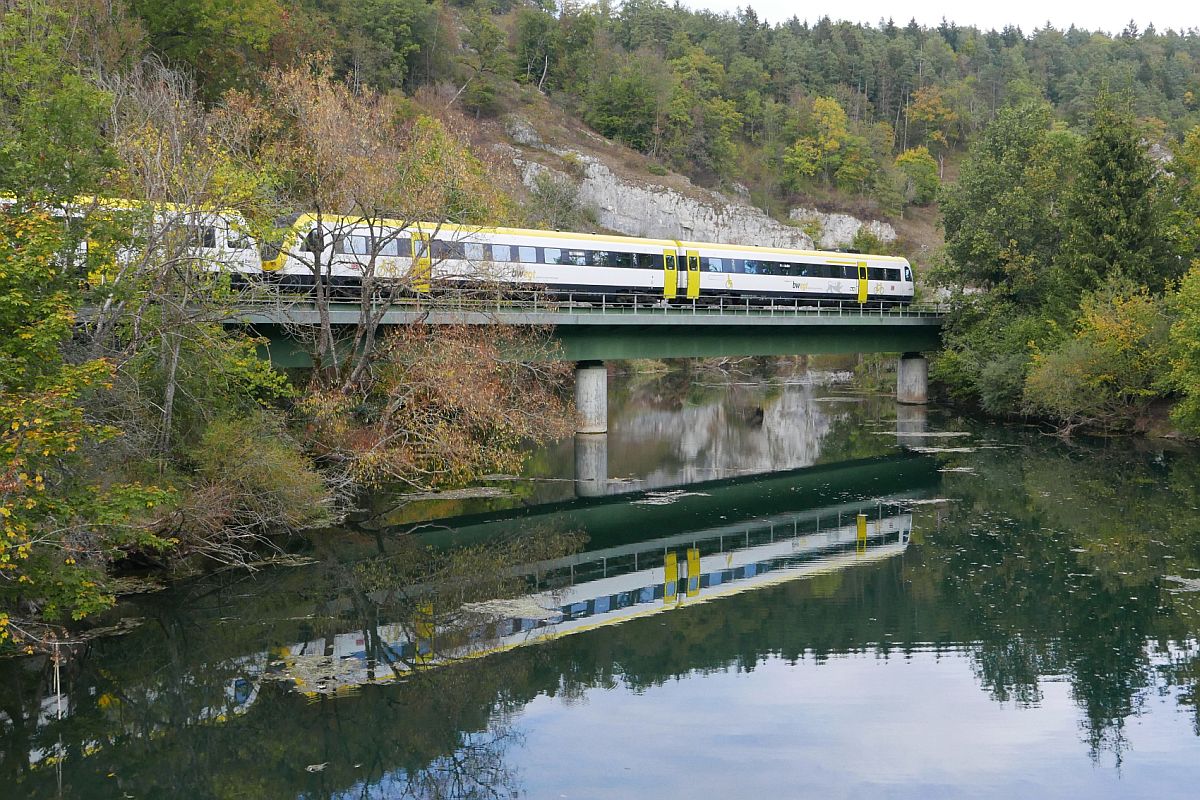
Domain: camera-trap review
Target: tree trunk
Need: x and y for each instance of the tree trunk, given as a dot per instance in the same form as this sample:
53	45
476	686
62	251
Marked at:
168	409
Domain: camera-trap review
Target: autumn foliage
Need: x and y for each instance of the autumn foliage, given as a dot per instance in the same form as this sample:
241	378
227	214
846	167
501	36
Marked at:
448	404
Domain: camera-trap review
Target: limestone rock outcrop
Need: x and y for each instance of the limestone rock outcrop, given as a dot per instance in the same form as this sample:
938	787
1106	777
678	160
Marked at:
834	230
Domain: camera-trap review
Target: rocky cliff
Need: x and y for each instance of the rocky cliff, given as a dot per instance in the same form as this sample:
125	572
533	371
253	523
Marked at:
636	206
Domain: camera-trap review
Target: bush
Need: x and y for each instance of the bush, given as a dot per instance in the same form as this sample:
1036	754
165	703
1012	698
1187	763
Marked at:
1185	350
987	353
921	175
258	473
1113	366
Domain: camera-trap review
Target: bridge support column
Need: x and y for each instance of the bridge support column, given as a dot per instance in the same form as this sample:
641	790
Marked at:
912	379
591	397
591	464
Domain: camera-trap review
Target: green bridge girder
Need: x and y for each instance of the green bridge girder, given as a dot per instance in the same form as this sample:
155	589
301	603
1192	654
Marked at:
616	334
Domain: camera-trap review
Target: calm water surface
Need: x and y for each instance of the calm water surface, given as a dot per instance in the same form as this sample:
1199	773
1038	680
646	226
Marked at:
750	585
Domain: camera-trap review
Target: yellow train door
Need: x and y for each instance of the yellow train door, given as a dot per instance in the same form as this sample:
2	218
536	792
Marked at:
862	281
670	275
670	578
693	274
422	263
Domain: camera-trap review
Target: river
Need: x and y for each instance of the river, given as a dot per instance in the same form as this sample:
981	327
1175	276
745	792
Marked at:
754	584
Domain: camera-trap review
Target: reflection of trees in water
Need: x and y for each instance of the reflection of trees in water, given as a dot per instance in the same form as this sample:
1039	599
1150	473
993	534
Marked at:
1056	560
178	707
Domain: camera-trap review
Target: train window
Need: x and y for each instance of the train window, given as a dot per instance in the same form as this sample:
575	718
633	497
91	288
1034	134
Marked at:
438	249
613	258
356	245
473	251
712	264
528	255
202	236
312	242
648	260
553	255
751	267
907	273
577	257
501	252
877	273
236	239
394	247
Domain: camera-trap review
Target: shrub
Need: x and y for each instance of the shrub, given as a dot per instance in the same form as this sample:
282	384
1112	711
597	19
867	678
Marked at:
258	473
1110	369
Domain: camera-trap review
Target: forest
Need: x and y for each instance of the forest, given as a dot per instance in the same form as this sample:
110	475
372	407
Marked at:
137	430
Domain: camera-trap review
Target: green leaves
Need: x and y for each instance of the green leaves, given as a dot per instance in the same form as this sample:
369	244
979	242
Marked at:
921	171
1003	217
1185	350
52	145
1115	223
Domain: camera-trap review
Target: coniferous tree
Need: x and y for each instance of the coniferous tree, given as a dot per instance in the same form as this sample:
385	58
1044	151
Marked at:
1115	224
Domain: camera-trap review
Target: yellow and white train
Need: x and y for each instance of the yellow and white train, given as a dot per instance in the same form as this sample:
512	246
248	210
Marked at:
425	255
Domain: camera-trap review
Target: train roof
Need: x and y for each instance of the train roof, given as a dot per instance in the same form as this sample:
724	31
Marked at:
432	227
834	256
831	256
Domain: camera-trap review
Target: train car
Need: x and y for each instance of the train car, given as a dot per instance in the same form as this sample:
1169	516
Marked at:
716	269
217	239
423	256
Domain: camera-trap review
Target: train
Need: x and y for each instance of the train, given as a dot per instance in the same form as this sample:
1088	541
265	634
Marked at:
426	256
423	258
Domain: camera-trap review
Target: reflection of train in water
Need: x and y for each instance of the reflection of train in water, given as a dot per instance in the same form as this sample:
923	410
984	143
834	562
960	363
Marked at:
613	585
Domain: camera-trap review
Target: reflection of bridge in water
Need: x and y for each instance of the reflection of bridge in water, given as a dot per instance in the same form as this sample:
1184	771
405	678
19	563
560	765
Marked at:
768	534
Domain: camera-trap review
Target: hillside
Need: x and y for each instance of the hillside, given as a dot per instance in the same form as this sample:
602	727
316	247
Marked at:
574	178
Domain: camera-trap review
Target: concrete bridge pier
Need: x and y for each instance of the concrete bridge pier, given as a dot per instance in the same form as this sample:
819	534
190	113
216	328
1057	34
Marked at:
591	397
591	464
912	379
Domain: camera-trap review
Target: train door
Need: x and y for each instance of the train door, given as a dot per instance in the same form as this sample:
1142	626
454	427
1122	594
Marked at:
670	275
670	578
693	577
422	263
862	281
693	274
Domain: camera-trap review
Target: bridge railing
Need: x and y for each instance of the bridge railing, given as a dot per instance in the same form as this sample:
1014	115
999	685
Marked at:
636	304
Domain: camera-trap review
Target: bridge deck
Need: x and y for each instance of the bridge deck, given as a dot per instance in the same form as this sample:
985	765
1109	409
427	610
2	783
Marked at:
637	311
645	328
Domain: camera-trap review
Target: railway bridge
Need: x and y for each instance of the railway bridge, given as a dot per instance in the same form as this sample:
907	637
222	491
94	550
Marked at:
592	331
